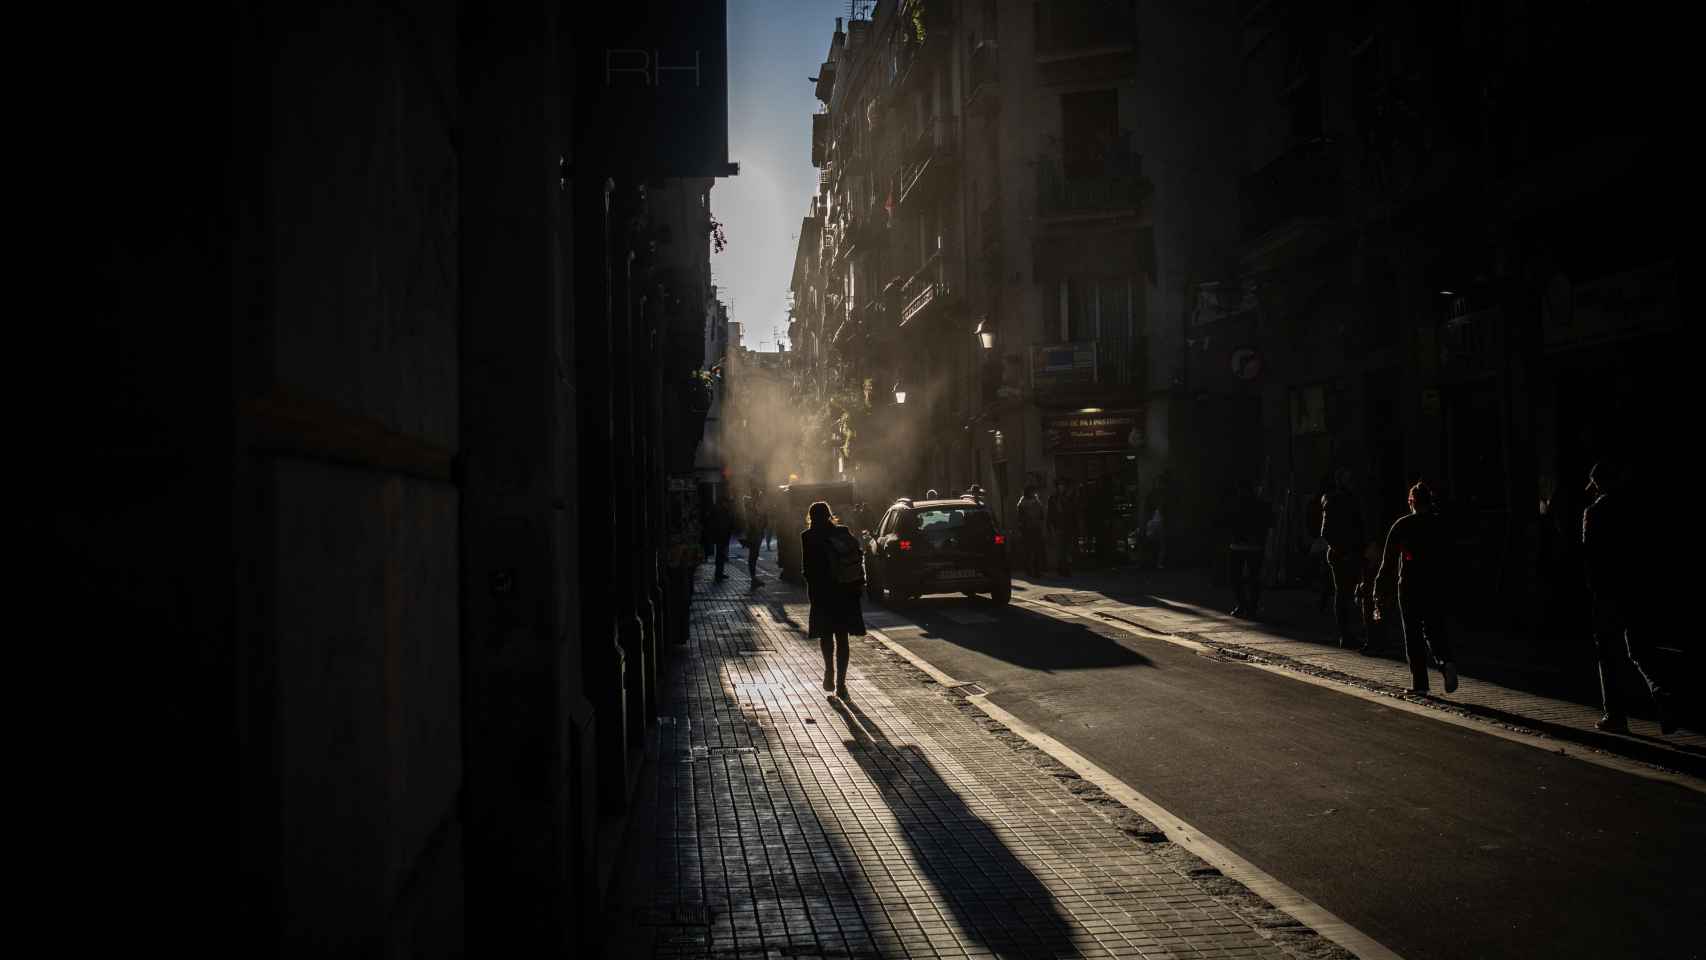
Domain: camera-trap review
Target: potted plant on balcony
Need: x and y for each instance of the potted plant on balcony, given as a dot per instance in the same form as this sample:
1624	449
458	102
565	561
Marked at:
700	390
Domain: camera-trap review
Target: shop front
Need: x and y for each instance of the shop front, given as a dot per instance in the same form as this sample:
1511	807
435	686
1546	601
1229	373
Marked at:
1099	450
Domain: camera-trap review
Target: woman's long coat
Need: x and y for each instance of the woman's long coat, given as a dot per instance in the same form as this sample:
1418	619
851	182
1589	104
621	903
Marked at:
835	606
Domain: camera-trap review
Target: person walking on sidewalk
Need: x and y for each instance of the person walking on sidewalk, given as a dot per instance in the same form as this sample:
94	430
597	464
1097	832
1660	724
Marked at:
753	537
1063	523
719	528
1416	555
1155	536
833	565
1252	518
1612	530
1341	527
1033	518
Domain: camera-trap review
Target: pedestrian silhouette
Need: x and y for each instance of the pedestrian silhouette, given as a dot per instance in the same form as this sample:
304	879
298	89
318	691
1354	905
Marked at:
831	561
1416	555
1612	529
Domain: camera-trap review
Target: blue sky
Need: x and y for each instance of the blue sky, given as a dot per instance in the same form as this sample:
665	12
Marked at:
774	45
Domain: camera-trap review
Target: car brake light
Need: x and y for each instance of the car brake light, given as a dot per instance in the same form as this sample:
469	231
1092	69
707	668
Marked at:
999	539
904	544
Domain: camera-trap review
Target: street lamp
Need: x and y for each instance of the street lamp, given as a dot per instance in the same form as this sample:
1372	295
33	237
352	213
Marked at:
985	334
899	392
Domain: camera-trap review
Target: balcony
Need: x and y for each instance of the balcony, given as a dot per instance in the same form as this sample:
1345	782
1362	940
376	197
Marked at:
924	30
927	292
928	162
1116	186
1302	186
825	81
863	235
820	140
1085	28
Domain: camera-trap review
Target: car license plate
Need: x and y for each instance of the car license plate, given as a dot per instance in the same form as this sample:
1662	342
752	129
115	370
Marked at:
958	575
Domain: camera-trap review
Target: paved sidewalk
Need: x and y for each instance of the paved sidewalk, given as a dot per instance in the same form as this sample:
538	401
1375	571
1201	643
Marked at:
1159	604
903	823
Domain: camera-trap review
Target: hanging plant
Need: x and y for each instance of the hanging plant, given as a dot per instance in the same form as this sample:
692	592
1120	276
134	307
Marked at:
918	20
700	390
719	239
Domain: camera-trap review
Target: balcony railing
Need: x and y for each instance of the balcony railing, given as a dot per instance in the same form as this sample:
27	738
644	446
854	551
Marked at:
1077	27
1117	184
1304	183
927	288
928	155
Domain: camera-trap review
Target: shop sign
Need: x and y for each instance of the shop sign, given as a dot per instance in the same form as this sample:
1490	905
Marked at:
1609	308
652	90
1112	431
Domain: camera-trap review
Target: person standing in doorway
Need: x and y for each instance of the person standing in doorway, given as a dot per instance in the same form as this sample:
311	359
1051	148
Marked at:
1341	527
1417	556
1155	535
1253	517
1063	523
832	562
1612	552
1033	519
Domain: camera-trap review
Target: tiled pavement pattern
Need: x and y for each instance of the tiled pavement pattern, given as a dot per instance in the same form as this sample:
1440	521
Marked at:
1088	595
790	824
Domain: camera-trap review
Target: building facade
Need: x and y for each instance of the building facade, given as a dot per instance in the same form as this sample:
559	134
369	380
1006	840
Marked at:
1247	242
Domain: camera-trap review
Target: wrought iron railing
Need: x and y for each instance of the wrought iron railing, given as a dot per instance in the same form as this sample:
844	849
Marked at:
926	287
1114	183
933	148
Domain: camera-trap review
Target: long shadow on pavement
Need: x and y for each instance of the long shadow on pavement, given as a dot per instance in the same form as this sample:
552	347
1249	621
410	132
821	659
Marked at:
992	895
1021	637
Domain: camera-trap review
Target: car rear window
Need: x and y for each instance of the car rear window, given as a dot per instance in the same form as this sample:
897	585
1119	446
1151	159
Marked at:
943	520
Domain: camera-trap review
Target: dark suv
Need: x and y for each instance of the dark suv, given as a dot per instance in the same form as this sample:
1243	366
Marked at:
938	546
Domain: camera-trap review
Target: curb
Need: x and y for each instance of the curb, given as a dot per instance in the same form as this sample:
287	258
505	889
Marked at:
1293	922
1683	769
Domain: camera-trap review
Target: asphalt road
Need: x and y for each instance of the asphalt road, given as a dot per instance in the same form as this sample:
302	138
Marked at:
1436	840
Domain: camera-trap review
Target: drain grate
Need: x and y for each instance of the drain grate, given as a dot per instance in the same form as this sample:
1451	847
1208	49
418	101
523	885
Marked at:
970	689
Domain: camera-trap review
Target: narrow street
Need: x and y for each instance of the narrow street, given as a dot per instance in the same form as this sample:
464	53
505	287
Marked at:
1437	840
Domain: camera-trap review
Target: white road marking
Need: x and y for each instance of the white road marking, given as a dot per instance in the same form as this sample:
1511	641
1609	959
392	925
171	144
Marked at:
1301	908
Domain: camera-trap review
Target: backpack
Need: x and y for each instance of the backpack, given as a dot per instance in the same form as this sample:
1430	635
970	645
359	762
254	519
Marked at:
845	556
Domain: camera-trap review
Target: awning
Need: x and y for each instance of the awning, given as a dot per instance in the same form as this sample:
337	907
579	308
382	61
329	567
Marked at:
1096	252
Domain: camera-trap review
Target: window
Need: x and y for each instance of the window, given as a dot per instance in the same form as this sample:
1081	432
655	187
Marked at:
1109	311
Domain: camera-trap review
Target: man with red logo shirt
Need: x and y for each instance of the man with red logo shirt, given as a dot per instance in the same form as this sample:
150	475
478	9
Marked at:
1422	542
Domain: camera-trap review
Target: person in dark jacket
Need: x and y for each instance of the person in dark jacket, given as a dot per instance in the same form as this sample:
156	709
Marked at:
1063	522
1416	555
1033	520
753	536
835	605
1252	518
720	527
1341	527
1612	553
